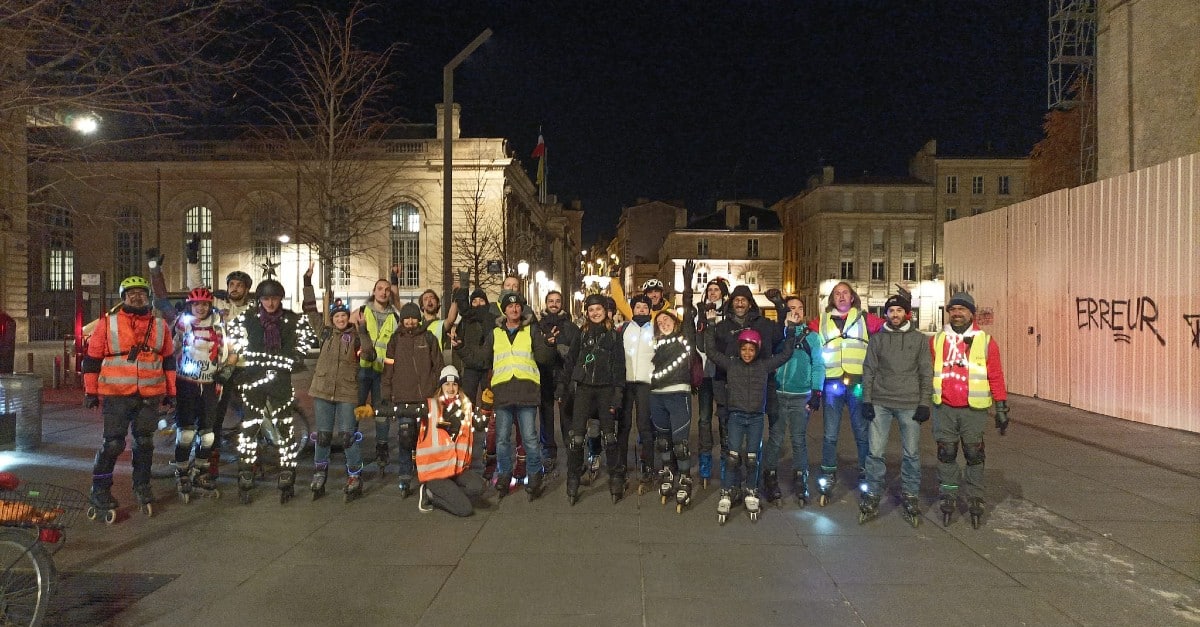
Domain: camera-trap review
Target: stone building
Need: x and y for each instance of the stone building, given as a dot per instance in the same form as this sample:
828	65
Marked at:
641	230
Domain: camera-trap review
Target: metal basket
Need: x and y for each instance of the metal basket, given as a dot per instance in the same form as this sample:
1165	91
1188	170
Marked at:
40	505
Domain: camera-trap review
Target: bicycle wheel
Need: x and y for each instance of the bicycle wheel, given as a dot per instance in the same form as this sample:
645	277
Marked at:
26	573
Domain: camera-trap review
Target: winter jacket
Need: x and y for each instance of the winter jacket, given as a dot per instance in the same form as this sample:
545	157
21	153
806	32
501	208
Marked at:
898	371
335	377
747	382
200	347
473	331
639	350
725	334
805	371
516	391
597	358
567	332
673	358
107	369
248	340
416	364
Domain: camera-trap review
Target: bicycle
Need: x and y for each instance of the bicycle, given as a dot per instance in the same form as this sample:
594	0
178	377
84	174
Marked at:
32	519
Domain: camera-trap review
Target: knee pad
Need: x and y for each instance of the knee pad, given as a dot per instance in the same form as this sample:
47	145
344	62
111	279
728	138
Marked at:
350	439
207	439
947	452
593	428
610	438
735	459
184	438
681	452
974	453
113	447
144	442
662	444
406	429
575	442
751	460
324	438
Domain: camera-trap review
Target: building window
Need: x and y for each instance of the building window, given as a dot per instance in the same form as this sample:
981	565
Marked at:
910	240
752	248
60	251
406	245
1002	185
752	223
702	247
265	231
951	184
127	248
909	270
752	278
847	240
877	270
951	214
847	269
976	210
877	240
701	279
198	221
976	185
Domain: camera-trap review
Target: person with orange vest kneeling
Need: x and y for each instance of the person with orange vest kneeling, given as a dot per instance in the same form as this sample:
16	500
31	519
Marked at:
967	378
444	445
130	361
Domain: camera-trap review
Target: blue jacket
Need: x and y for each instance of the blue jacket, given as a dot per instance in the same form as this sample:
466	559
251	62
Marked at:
805	371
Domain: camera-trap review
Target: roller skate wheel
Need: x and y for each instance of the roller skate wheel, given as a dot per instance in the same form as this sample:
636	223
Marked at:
216	494
679	508
110	516
915	521
664	499
616	497
976	520
946	519
721	518
147	509
91	513
824	500
641	489
244	497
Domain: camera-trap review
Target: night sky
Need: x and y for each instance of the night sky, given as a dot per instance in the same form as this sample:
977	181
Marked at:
699	101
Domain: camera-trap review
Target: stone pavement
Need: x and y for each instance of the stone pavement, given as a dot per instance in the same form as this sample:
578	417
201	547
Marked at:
1092	520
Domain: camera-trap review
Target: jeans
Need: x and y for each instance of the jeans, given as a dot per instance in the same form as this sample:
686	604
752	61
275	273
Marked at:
836	396
793	413
334	417
745	440
671	413
527	415
910	440
370	383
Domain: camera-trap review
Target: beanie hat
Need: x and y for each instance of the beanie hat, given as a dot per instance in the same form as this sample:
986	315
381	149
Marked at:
964	299
478	293
410	310
897	301
640	298
449	373
720	283
511	298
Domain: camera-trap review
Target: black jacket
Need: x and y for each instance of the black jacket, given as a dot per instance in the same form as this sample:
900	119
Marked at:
596	357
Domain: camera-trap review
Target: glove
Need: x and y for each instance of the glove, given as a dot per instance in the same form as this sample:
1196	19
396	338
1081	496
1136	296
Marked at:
814	401
922	414
868	412
362	412
168	401
193	249
91	401
1002	416
367	353
479	422
154	259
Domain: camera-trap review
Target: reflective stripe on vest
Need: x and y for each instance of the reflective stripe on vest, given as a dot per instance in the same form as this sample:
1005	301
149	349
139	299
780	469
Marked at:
844	350
381	335
514	360
439	456
144	375
979	389
435	327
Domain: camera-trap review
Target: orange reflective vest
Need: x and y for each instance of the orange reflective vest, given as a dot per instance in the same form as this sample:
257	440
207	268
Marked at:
113	342
440	456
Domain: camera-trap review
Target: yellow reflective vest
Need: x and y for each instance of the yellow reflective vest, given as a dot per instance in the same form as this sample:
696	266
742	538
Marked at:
513	360
979	389
845	349
379	335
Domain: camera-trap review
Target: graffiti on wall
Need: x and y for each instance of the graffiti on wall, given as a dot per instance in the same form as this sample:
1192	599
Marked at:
1193	323
1122	317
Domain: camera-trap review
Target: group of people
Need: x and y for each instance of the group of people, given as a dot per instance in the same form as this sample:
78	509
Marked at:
497	368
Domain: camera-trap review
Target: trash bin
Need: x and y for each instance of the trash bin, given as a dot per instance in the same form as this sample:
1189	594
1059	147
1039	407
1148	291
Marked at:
21	410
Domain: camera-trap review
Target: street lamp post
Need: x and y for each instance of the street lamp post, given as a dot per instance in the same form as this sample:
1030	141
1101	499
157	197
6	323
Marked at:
448	162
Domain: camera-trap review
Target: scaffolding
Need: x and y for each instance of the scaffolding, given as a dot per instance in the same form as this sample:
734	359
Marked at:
1071	58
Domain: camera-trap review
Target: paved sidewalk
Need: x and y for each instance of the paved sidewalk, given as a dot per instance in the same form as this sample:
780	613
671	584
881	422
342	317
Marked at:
1092	520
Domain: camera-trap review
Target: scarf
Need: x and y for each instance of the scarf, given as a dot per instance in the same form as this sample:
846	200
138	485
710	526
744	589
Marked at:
272	341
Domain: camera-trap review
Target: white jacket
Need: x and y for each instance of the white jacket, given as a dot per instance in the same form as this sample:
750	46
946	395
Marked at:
639	351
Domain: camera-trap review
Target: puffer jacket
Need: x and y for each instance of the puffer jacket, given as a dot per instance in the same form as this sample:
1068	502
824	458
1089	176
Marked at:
898	370
335	375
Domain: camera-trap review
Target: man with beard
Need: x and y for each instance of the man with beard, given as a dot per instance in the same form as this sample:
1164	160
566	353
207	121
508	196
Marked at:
560	332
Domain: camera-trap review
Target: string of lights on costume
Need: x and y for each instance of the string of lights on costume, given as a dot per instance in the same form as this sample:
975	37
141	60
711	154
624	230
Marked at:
682	361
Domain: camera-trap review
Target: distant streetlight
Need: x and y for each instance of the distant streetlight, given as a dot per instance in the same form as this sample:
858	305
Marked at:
84	123
283	239
523	272
448	160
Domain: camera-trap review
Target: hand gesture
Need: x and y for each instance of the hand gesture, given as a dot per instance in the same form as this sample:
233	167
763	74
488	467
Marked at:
774	294
711	314
193	249
552	337
308	273
689	271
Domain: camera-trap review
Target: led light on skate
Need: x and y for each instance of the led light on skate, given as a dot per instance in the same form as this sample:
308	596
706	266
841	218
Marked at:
863	487
823	482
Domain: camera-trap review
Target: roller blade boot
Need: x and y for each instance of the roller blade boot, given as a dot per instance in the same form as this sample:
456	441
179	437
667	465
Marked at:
753	504
724	504
519	471
203	483
381	458
245	485
666	484
825	485
616	484
771	491
868	507
572	489
683	493
318	484
912	511
101	504
145	498
949	504
183	484
975	509
534	486
705	470
354	487
503	485
406	487
800	486
645	478
287	486
591	470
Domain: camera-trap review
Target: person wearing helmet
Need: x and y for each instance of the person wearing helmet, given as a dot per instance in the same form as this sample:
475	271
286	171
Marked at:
334	391
272	343
445	444
201	351
652	289
130	362
748	378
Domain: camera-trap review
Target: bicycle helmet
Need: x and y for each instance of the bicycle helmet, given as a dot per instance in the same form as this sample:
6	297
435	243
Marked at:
200	295
270	287
134	282
652	284
238	275
749	336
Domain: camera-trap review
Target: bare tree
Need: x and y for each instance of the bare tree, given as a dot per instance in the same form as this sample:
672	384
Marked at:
323	101
479	238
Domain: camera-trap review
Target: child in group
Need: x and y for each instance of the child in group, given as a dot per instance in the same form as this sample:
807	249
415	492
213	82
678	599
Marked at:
444	448
334	392
747	403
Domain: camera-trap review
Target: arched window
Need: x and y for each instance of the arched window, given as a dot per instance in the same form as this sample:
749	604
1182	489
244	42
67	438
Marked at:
60	251
198	221
406	245
127	240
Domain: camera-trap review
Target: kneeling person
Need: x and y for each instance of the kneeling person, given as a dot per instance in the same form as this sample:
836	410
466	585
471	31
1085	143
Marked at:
444	450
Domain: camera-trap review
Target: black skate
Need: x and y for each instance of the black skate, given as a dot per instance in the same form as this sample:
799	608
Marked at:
949	503
287	486
912	511
101	504
724	504
572	488
203	484
825	484
354	487
752	504
145	498
666	484
245	485
183	484
975	509
534	486
591	470
771	490
800	486
616	484
683	494
406	487
318	484
645	478
868	507
503	485
381	458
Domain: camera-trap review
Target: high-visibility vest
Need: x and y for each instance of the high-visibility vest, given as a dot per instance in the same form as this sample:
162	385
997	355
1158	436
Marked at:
435	327
844	349
381	336
513	359
144	376
979	389
438	455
